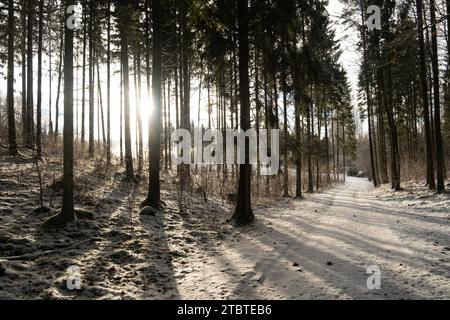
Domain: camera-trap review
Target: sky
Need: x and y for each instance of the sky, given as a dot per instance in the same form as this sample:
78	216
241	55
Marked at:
348	39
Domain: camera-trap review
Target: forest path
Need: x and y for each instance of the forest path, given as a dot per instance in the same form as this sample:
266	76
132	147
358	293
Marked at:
321	247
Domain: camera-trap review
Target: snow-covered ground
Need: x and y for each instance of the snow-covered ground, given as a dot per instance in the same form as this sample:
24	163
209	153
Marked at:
315	248
321	247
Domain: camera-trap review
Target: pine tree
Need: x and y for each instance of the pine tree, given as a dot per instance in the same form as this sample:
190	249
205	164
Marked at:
243	213
154	197
67	210
10	85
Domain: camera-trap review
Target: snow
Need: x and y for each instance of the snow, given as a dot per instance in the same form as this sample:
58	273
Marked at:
316	248
321	247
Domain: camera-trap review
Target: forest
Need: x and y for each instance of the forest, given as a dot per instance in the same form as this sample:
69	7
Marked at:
98	200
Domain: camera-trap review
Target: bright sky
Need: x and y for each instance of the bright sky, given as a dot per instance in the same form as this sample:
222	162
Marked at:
348	39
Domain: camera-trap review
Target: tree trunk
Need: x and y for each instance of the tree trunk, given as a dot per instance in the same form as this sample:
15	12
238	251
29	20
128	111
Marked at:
243	213
298	139
309	148
10	85
68	205
100	110
169	121
369	103
154	188
185	114
257	117
24	74
121	114
39	84
426	114
125	19
58	92
440	161
91	78
83	88
67	211
108	87
164	116
30	91
285	128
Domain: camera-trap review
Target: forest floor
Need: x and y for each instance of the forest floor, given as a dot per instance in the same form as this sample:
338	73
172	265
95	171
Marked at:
316	248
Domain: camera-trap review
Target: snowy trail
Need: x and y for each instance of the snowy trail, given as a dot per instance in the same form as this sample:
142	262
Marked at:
320	248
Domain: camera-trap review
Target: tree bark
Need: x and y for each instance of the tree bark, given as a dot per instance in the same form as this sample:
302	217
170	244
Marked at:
108	86
24	74
58	92
426	113
91	78
440	161
83	88
185	114
10	83
154	188
125	20
39	84
244	213
369	101
30	91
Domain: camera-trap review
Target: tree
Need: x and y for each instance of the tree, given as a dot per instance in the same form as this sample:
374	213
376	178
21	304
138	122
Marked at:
10	85
153	197
83	86
124	16
60	75
108	90
39	84
369	100
30	104
91	32
440	162
186	81
243	213
426	112
23	18
67	210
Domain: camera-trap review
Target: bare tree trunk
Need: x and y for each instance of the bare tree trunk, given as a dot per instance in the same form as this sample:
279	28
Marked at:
83	89
440	161
68	204
121	114
285	127
309	148
369	104
426	115
154	188
10	85
169	121
185	114
39	84
24	74
166	162
298	140
327	146
30	91
101	116
108	86
139	109
257	118
67	211
58	91
91	78
125	19
244	213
